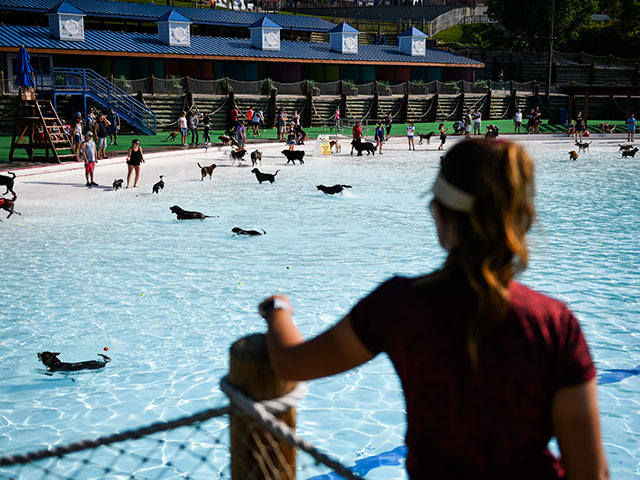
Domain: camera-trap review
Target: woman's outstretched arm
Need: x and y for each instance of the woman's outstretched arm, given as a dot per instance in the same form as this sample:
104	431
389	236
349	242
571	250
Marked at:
334	351
577	428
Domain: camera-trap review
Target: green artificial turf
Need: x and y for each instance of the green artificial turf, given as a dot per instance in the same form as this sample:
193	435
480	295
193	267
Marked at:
159	142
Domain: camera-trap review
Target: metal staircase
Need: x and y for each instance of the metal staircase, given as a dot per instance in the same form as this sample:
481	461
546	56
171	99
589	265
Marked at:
89	84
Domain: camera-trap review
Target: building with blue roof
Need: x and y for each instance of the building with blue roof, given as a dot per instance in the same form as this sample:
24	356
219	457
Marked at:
172	44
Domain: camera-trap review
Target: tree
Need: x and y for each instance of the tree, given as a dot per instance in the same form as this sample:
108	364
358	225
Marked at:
528	21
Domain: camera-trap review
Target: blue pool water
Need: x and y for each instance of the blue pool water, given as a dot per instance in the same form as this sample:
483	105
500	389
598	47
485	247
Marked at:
98	268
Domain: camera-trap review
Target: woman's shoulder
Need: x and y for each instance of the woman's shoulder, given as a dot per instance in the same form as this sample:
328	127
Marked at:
525	300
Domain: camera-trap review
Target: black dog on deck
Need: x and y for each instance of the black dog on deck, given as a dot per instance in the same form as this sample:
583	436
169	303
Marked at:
630	153
53	364
117	184
159	185
333	189
250	233
8	182
265	177
256	157
187	215
293	155
426	136
9	205
364	146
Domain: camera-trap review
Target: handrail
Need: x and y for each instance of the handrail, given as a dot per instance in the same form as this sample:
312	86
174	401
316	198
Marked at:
87	81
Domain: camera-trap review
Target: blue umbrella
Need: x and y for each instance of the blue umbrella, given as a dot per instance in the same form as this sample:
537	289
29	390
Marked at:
24	70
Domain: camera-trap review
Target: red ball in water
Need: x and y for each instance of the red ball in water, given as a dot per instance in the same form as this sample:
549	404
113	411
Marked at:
106	349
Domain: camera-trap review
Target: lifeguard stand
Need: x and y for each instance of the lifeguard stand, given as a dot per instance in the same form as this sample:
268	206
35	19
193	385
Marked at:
38	126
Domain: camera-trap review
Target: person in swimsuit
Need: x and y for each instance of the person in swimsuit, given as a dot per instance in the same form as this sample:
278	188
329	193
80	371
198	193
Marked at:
134	159
443	135
491	370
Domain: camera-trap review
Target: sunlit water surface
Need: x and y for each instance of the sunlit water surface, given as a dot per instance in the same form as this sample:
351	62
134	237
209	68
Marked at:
168	297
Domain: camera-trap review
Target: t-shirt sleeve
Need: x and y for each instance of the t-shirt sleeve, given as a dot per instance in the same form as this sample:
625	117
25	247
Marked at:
372	316
575	365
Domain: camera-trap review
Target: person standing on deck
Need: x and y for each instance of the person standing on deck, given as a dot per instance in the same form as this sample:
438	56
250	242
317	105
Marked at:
631	127
356	133
89	156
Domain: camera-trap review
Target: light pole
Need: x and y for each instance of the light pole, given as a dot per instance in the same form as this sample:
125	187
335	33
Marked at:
550	63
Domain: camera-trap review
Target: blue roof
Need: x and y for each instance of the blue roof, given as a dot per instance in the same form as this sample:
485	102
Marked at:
264	22
151	12
343	28
65	7
98	41
413	32
173	16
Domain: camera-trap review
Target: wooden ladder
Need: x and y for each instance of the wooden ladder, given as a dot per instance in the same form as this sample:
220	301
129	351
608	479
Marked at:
33	130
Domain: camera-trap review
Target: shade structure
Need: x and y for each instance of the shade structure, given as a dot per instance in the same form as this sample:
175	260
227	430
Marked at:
24	70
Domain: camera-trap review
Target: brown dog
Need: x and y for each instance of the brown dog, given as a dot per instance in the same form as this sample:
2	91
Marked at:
625	148
335	144
9	205
573	155
204	171
53	364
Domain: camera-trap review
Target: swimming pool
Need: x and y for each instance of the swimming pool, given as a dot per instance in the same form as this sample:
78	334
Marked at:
95	268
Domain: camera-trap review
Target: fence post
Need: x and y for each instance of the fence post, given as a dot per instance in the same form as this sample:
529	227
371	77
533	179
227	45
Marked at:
272	105
343	106
307	115
436	98
488	103
186	83
251	372
2	81
376	105
153	84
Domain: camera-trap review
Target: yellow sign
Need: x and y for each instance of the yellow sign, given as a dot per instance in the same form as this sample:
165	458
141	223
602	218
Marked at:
325	148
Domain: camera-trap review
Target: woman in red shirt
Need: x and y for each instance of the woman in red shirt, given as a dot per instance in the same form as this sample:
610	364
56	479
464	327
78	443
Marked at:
490	369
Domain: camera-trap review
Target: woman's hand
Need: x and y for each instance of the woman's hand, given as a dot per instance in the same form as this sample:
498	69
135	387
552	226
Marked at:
273	303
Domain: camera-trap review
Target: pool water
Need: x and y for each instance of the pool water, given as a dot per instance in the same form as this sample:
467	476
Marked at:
96	268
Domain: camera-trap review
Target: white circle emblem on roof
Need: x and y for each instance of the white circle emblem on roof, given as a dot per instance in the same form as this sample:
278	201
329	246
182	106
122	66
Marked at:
418	46
180	33
350	43
271	39
71	27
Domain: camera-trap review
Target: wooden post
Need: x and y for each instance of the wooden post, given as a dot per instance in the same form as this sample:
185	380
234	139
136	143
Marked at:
153	84
2	81
186	83
255	453
592	73
586	109
435	100
405	108
306	115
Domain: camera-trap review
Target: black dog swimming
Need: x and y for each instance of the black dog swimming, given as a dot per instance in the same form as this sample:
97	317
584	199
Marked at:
187	215
333	189
256	157
265	177
364	146
117	184
8	182
159	185
53	364
250	233
293	155
630	153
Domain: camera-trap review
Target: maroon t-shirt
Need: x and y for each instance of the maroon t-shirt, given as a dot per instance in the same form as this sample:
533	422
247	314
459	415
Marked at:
493	422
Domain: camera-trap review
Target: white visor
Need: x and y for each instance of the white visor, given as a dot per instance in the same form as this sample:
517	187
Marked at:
451	196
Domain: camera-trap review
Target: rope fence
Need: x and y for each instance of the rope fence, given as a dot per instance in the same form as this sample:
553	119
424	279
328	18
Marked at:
243	440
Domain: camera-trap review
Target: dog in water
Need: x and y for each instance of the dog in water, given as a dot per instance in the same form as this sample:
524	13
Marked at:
333	189
9	205
625	148
204	171
8	182
364	146
335	144
117	184
630	153
249	233
583	146
293	155
187	215
237	155
426	136
53	364
573	155
264	177
158	185
256	157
